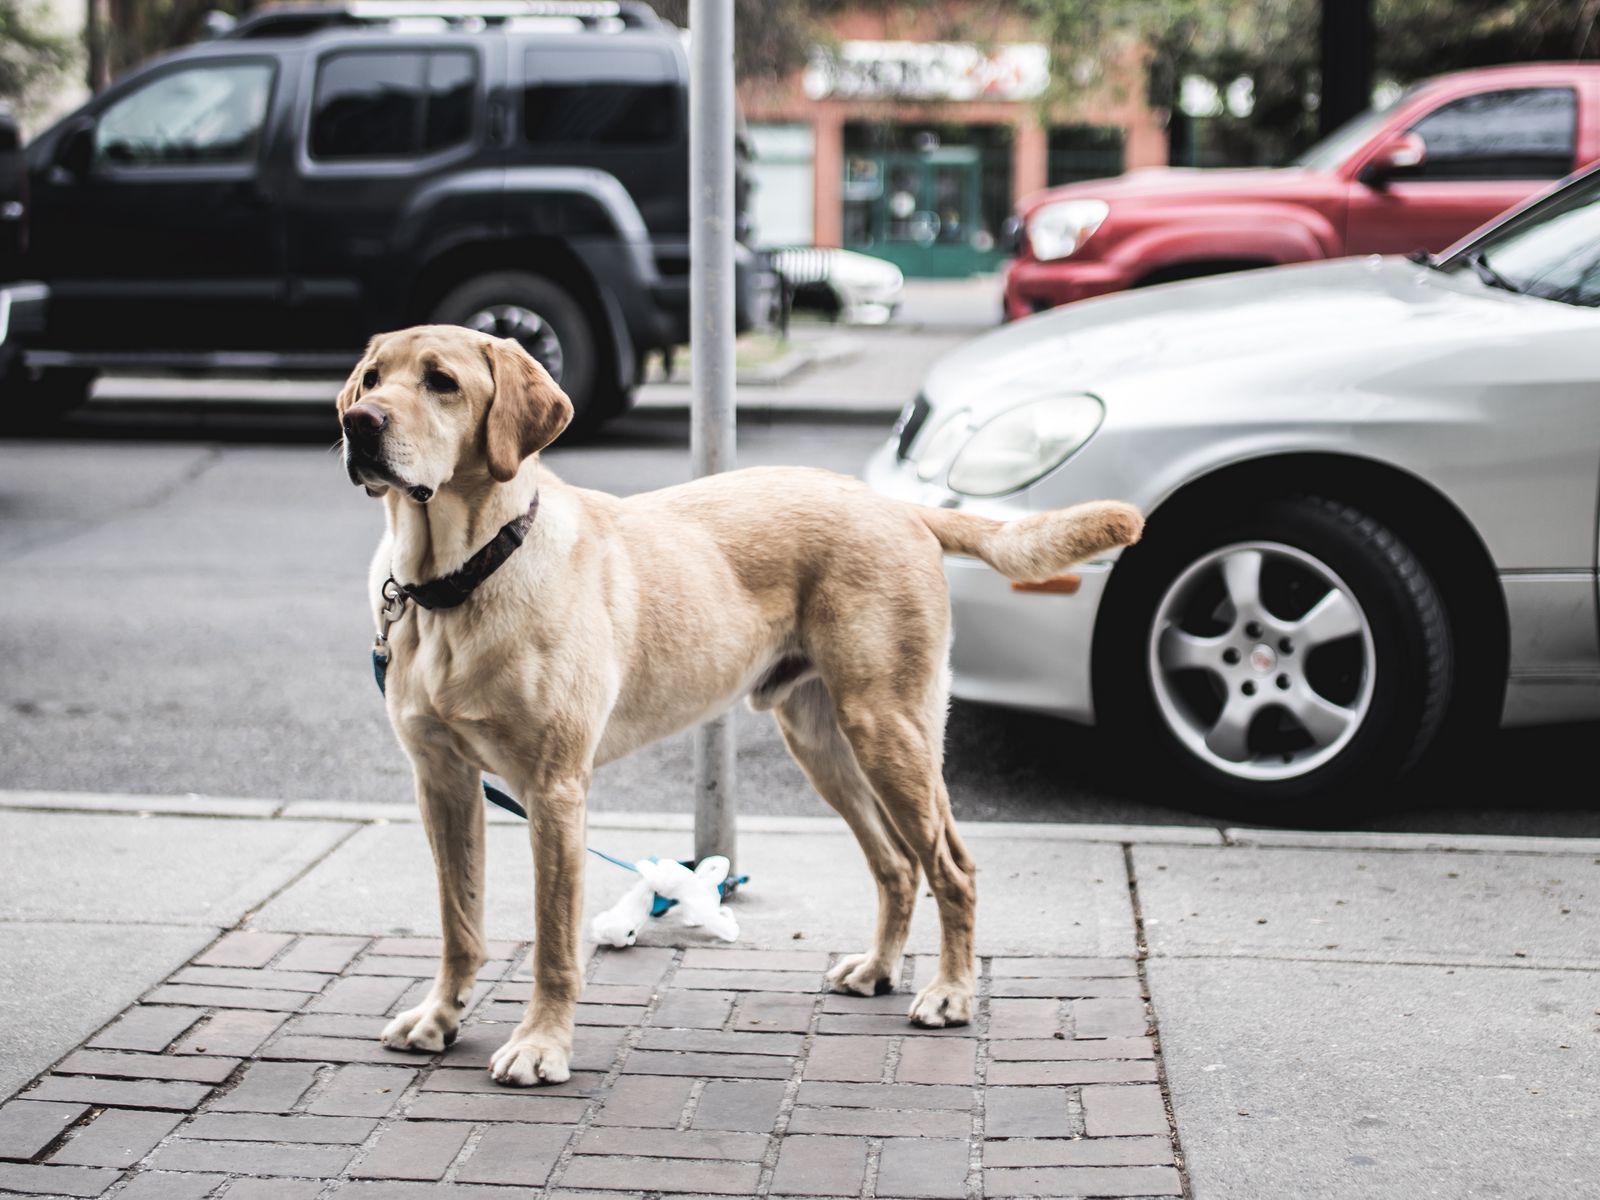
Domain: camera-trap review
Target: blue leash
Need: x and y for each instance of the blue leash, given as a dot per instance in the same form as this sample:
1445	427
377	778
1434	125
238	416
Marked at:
380	671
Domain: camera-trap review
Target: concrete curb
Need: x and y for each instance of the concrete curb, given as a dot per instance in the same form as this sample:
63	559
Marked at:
237	808
838	348
191	805
801	353
1454	843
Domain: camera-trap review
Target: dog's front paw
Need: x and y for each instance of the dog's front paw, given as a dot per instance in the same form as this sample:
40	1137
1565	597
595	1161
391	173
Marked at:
530	1058
941	1004
425	1029
861	975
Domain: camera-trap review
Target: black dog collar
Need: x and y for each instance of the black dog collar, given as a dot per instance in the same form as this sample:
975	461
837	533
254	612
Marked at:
453	589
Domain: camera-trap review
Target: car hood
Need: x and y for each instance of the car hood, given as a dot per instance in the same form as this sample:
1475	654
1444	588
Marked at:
1270	334
1186	184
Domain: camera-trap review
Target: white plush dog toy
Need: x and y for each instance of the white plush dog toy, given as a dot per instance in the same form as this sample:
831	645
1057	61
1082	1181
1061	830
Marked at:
698	899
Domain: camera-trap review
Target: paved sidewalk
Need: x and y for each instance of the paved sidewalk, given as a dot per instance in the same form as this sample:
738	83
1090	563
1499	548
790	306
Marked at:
703	1071
190	991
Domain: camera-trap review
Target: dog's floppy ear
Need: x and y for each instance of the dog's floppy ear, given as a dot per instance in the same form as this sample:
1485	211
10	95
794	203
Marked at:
352	386
528	409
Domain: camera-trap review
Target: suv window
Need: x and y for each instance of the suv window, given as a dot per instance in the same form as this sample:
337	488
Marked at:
209	113
1522	133
621	98
392	104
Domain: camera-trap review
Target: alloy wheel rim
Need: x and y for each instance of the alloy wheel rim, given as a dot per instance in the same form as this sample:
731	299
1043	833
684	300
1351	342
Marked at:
1262	682
537	336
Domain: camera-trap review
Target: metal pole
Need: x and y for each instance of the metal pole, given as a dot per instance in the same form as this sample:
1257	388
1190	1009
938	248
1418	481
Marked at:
711	323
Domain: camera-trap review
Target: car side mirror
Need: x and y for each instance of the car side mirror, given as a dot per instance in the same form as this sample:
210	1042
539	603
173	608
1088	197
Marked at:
1399	153
75	151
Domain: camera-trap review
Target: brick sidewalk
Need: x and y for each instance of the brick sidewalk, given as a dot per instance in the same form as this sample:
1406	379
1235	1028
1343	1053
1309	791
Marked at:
254	1073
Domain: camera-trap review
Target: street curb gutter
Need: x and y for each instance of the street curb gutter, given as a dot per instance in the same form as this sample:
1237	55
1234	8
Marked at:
1448	842
234	808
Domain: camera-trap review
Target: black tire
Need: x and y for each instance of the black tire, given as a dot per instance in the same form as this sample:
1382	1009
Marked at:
578	369
1411	664
41	398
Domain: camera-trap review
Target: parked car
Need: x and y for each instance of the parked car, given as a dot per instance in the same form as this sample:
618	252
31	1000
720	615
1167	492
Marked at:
1371	486
1449	155
273	197
842	285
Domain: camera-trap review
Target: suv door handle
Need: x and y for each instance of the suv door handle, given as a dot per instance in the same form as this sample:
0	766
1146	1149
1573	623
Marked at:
499	121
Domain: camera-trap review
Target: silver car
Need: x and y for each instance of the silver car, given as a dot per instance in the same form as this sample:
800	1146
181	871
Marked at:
1372	496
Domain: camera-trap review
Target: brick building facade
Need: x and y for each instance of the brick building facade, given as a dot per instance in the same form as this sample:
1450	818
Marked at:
912	132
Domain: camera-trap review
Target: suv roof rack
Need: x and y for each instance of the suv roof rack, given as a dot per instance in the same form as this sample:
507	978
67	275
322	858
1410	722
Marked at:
300	20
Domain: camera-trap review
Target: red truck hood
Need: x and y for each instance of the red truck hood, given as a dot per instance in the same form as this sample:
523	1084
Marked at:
1188	184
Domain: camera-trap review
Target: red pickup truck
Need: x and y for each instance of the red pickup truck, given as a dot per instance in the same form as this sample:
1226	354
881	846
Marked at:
1450	154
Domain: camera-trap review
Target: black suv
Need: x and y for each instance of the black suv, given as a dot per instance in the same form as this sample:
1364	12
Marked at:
271	198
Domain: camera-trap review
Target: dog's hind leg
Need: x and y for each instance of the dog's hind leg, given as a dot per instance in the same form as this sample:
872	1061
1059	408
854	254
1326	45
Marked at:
898	741
452	814
811	730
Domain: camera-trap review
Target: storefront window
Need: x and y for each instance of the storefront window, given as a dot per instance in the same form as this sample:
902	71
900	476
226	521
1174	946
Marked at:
928	197
863	189
1084	152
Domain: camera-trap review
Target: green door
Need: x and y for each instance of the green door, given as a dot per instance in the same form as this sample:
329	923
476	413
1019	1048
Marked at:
919	211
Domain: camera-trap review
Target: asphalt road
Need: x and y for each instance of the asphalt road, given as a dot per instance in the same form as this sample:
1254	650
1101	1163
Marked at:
182	610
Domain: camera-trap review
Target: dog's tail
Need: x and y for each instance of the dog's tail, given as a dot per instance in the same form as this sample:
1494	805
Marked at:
1033	548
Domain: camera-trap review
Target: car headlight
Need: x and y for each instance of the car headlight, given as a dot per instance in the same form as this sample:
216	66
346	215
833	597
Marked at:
939	444
1023	443
1058	229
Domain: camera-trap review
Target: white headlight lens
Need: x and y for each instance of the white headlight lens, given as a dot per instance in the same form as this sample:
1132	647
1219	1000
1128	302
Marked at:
939	445
1057	230
1023	443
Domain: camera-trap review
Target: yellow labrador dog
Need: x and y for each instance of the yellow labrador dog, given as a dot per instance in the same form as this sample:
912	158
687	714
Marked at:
568	628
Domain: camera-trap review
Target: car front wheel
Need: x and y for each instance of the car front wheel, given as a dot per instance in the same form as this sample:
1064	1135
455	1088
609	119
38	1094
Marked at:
1291	658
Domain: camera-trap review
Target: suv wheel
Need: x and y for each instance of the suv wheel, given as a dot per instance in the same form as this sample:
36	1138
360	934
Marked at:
549	323
1287	660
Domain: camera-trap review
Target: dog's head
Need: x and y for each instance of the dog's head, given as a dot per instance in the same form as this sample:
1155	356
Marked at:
437	403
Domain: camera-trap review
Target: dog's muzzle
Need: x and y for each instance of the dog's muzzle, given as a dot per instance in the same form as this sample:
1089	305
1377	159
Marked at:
363	470
363	427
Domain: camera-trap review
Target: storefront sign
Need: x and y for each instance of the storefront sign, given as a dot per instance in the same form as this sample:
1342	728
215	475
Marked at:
927	71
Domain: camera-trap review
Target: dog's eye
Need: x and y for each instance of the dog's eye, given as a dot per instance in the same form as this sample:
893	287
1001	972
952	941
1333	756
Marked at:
370	379
438	381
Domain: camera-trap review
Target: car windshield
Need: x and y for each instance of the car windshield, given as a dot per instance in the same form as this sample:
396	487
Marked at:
1551	251
1332	150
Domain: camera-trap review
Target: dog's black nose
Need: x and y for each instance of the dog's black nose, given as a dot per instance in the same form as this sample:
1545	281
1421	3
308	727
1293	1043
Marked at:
363	422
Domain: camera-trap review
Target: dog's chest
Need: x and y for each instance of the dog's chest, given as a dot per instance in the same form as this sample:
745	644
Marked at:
491	698
461	677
